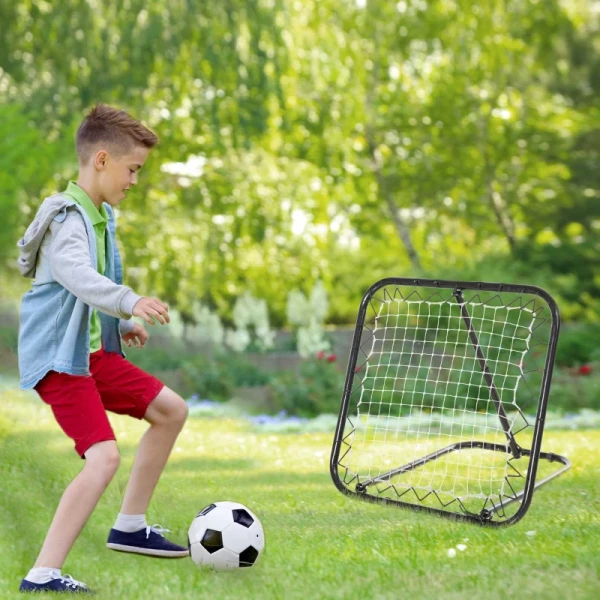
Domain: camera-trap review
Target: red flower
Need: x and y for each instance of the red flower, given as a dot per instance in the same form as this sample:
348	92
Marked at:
585	370
331	358
320	355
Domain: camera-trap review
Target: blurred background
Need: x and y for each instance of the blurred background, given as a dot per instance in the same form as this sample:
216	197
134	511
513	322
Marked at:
308	149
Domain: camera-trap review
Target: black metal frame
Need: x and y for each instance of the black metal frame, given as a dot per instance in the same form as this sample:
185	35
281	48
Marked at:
485	517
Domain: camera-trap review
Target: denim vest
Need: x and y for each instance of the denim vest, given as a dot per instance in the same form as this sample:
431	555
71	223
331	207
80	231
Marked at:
55	325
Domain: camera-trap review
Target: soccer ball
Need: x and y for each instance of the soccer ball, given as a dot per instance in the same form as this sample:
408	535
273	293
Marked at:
225	535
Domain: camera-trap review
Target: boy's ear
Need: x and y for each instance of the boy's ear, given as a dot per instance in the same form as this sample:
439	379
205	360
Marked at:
100	159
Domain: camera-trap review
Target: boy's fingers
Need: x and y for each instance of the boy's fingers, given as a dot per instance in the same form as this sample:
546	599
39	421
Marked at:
160	303
162	309
156	315
155	311
163	304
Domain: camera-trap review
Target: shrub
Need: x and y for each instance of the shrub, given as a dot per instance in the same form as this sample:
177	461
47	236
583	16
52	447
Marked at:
154	358
575	389
243	373
9	326
208	378
216	377
317	389
578	344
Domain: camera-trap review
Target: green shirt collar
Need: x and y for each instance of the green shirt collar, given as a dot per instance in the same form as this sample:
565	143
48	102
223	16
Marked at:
80	196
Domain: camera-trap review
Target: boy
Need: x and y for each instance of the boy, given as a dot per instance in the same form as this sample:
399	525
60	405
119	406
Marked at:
72	322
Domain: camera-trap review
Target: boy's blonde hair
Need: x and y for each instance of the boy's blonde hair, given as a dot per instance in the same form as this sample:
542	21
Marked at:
115	129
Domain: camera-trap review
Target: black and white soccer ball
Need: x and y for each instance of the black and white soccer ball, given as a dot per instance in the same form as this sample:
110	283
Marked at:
226	535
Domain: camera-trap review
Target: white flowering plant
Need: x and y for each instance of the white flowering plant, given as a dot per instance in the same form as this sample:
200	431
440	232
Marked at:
308	316
251	319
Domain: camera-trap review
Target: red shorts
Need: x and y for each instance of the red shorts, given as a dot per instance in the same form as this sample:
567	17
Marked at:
80	402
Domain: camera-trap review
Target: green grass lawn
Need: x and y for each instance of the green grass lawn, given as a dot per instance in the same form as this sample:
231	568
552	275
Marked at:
319	544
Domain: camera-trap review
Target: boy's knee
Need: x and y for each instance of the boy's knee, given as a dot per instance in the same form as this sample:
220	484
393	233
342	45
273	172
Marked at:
104	458
168	408
182	410
178	411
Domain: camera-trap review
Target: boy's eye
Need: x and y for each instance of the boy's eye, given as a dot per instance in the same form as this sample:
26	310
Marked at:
131	170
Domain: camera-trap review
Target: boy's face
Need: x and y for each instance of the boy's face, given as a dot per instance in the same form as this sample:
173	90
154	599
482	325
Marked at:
117	175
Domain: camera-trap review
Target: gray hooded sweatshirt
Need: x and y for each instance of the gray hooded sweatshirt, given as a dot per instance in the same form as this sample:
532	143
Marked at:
58	251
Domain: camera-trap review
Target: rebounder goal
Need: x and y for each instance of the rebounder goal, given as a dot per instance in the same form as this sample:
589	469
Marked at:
445	398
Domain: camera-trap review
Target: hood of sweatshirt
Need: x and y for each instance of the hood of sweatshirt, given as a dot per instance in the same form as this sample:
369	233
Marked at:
30	243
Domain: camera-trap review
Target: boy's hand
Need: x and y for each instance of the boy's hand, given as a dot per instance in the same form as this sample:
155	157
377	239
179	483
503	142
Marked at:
137	337
152	309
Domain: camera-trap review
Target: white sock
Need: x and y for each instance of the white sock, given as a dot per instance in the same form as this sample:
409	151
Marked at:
43	574
130	523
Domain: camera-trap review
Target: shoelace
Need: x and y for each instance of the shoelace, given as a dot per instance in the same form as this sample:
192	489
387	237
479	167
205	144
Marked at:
157	529
69	581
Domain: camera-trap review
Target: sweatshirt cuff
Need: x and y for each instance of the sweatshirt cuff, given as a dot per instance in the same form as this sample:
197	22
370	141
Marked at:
126	325
128	301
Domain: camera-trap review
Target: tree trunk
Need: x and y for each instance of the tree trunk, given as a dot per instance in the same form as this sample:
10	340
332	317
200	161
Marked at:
502	216
496	201
402	227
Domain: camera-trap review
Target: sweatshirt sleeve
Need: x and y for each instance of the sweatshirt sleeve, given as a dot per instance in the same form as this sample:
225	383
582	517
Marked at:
71	266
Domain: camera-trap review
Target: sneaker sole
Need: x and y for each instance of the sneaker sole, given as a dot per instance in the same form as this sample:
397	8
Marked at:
148	551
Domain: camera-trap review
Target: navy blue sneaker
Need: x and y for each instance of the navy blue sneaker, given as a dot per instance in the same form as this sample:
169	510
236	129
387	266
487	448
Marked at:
60	583
149	541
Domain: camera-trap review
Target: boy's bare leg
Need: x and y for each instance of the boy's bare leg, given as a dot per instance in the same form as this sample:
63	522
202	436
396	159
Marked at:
166	414
77	503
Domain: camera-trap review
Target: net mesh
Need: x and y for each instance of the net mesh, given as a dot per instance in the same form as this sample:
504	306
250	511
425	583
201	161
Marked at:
459	376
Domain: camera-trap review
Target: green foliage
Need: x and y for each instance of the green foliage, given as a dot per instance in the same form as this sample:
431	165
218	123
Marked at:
569	287
572	391
9	337
216	377
9	326
210	379
315	390
27	162
574	267
337	141
155	357
578	344
243	372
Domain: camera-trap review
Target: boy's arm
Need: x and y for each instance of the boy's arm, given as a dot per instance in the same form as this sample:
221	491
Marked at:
71	266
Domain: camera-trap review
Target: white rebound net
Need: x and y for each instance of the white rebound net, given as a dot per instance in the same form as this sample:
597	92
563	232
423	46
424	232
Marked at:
446	374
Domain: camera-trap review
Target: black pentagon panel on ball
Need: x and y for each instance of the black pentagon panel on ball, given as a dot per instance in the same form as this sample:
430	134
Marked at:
206	510
212	540
242	517
248	557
